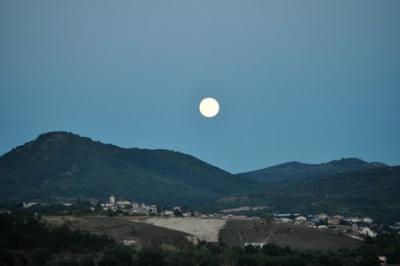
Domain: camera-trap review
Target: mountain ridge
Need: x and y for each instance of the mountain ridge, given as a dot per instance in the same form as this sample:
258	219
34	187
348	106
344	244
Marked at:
63	163
298	170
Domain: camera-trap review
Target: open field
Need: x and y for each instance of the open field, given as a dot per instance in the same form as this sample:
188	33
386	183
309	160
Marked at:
124	228
239	232
178	232
202	228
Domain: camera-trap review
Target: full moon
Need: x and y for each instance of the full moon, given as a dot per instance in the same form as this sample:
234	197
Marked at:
209	107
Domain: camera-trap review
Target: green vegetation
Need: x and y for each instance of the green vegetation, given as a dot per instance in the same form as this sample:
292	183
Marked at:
60	165
296	170
237	233
371	192
25	240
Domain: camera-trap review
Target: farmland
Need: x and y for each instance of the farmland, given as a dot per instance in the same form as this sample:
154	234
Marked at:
202	229
239	232
178	232
124	229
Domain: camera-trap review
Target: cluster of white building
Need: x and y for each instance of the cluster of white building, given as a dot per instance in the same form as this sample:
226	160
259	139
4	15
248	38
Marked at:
353	225
129	207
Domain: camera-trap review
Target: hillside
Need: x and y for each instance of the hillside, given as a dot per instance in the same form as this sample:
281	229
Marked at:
297	170
374	191
65	165
61	164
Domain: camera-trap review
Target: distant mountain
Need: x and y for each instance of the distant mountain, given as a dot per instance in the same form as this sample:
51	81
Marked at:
372	191
297	170
66	165
61	164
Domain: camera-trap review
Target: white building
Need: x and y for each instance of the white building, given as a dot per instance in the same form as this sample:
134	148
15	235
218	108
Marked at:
123	204
283	220
300	220
333	221
283	215
255	244
152	209
112	199
177	208
367	220
322	216
130	242
29	204
168	213
353	220
368	232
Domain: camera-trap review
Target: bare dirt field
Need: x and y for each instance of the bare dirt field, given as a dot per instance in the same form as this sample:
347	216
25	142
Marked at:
239	232
202	228
178	232
124	228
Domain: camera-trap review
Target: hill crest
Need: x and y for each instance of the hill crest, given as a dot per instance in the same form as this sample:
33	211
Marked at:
298	170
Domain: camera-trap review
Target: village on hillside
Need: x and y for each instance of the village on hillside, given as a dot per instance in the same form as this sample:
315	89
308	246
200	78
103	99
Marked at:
355	227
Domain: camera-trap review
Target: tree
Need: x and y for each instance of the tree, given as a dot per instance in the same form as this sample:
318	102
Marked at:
150	257
40	256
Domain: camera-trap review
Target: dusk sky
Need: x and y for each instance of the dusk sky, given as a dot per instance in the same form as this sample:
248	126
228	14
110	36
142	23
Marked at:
310	81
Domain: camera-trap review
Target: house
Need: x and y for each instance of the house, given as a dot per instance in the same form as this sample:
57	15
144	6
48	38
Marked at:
167	213
367	220
339	217
333	221
255	244
111	204
123	204
177	208
382	260
129	242
30	204
300	220
112	199
321	217
353	220
283	220
152	209
285	215
367	232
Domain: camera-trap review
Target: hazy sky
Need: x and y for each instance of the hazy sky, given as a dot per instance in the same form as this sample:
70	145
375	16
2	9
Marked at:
297	80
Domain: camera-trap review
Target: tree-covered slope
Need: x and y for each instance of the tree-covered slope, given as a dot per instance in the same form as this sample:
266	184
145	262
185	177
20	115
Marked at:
297	170
60	164
65	165
374	192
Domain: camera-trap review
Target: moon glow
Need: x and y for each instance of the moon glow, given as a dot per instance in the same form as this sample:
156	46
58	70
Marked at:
209	107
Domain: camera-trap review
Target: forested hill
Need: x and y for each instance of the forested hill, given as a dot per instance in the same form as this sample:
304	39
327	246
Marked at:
374	192
65	165
297	170
61	164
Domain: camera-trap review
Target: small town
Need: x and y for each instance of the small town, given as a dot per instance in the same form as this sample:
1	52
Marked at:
358	228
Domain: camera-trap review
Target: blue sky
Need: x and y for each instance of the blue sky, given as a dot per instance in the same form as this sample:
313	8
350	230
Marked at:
306	80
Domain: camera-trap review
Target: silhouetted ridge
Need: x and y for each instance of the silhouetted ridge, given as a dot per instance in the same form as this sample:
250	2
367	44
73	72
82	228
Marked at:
66	165
297	170
63	164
